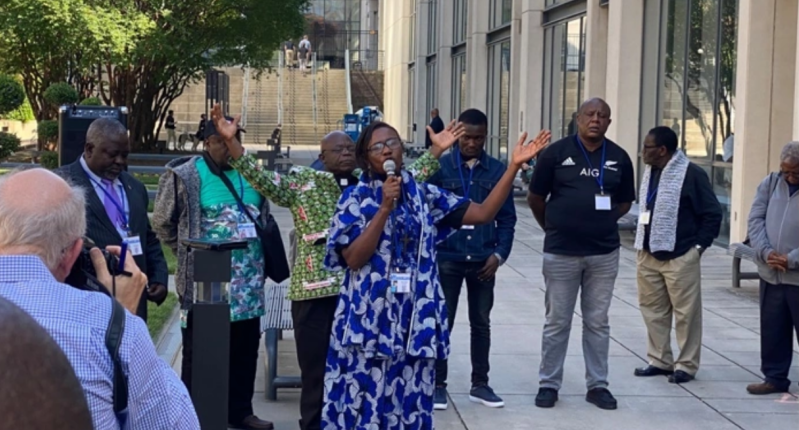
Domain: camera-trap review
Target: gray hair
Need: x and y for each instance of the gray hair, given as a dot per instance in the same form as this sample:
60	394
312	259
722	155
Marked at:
790	152
49	231
104	128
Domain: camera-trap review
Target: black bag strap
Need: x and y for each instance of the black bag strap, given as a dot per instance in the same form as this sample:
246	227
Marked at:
113	339
225	180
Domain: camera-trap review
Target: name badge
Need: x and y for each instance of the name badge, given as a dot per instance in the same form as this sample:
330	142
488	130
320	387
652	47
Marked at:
400	283
602	202
134	245
645	217
467	227
247	230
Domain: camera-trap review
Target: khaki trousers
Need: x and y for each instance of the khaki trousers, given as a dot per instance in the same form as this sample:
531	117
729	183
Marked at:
666	288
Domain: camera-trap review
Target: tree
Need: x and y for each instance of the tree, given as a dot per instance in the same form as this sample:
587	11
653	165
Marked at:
138	53
11	94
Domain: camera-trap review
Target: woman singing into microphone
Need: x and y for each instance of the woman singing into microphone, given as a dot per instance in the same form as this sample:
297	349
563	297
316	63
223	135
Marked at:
391	322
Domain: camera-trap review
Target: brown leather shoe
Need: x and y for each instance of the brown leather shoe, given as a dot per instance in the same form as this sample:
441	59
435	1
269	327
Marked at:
764	388
254	423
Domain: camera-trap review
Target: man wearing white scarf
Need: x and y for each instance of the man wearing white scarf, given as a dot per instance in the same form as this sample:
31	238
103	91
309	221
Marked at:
680	217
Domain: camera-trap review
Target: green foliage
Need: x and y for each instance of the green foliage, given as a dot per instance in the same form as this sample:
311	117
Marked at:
61	93
49	160
24	113
11	94
91	101
47	130
156	47
9	144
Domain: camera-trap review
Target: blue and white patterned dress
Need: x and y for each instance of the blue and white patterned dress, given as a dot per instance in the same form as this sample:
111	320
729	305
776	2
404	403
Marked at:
380	372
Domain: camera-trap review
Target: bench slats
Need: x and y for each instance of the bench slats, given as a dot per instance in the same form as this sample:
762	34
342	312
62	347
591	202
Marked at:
277	308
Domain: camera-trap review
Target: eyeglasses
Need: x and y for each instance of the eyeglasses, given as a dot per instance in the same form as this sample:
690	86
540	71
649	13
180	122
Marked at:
645	147
380	146
341	149
793	173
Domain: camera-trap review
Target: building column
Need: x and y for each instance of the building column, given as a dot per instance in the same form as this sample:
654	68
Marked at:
421	115
764	117
623	84
530	77
446	23
394	43
596	49
477	56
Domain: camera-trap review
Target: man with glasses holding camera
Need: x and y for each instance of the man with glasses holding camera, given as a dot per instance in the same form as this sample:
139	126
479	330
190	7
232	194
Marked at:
40	241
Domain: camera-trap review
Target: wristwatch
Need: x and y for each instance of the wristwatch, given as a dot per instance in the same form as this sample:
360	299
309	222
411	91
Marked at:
701	249
499	257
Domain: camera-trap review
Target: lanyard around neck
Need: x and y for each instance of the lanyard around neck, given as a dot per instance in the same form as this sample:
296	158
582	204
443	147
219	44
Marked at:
600	179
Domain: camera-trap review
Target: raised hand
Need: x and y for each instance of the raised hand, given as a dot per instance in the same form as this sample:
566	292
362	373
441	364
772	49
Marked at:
523	153
446	138
227	130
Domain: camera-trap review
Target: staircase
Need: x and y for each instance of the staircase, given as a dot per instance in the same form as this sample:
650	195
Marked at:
299	126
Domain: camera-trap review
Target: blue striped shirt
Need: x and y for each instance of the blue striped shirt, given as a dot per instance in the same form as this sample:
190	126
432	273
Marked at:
77	321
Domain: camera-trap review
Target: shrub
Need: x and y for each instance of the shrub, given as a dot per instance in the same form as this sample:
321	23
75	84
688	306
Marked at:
48	131
24	113
12	94
9	144
91	101
49	160
61	93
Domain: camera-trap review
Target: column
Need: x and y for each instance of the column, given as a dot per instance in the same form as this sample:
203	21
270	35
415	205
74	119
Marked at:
394	40
421	116
624	55
764	119
531	71
596	50
446	24
477	56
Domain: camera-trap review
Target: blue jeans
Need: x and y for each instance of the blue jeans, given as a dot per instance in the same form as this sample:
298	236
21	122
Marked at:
480	296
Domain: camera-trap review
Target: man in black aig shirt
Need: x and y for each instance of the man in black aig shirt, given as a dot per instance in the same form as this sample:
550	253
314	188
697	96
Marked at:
680	217
590	184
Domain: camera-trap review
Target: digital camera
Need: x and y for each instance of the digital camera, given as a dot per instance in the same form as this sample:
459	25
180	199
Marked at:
83	275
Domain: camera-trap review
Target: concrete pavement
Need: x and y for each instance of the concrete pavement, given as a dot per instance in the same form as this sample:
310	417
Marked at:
717	399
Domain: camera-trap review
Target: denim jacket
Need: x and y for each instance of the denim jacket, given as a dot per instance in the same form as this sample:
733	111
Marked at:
493	238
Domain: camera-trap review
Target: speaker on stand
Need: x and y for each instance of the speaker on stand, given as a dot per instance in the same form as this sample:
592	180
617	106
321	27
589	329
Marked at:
73	123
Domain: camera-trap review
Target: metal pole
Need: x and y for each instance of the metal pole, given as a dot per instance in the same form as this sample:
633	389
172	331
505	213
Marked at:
313	86
280	70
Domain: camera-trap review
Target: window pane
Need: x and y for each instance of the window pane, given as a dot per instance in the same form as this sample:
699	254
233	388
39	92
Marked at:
559	66
701	85
726	97
673	60
571	76
411	103
458	82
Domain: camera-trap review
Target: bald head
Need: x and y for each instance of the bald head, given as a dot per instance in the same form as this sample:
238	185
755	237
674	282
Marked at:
593	120
338	153
40	389
45	226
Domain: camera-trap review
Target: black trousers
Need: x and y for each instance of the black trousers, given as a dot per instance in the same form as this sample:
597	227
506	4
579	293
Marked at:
245	339
779	318
480	295
313	322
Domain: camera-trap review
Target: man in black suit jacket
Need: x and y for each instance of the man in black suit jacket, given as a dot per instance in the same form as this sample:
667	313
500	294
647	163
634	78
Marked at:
437	124
117	204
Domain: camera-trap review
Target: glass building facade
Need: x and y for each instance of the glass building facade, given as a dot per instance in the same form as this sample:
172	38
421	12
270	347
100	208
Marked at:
333	26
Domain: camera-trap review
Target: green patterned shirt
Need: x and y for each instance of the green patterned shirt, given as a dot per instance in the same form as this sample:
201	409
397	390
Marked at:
311	195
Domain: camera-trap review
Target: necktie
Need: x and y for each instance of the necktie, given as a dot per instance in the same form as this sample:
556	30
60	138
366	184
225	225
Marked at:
111	203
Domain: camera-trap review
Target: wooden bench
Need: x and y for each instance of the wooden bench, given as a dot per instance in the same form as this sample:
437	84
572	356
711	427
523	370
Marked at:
276	319
741	251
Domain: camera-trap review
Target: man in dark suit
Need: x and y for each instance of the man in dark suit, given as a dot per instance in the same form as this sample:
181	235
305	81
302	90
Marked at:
117	204
437	124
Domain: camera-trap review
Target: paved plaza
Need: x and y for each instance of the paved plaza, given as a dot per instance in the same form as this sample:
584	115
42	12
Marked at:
717	399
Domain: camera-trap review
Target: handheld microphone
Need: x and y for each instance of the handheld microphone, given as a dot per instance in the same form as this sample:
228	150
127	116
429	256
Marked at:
391	171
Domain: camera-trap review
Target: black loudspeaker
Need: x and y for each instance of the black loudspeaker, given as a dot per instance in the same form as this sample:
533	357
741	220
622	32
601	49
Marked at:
73	123
217	90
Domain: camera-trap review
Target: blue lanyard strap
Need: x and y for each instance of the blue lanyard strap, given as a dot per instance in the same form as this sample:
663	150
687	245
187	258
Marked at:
115	200
601	179
650	196
241	195
395	233
466	186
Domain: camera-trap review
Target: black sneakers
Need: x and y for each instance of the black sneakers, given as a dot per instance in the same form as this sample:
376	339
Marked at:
440	399
602	398
485	395
546	397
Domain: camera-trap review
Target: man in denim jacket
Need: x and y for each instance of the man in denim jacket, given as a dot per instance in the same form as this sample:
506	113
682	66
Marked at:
474	253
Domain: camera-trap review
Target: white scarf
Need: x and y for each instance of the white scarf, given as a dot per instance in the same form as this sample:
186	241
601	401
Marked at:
663	220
